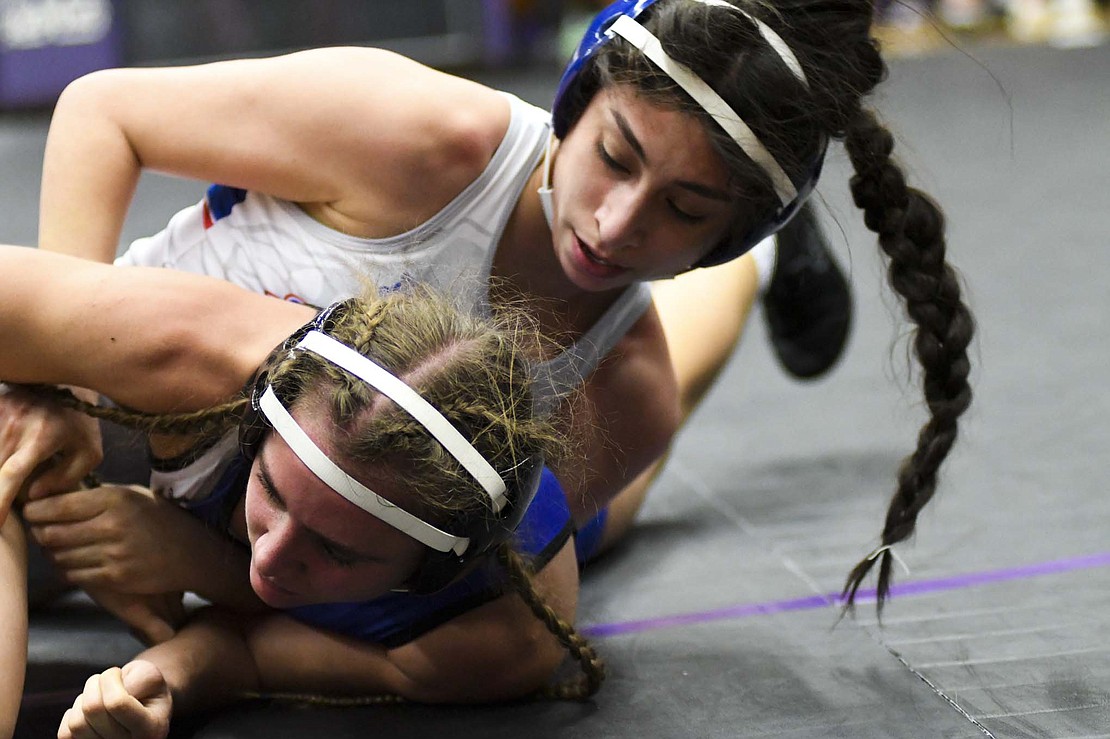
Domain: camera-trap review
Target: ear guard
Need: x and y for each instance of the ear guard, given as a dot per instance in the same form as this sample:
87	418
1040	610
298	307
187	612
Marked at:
486	533
253	426
451	549
596	36
601	32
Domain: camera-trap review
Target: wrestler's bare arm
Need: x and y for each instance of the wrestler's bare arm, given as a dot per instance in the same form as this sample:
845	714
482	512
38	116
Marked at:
151	339
373	137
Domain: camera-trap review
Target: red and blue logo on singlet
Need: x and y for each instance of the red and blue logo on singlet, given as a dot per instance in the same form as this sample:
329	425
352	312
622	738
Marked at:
218	202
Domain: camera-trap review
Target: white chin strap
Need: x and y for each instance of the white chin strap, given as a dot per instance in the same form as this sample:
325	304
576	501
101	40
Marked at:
396	390
545	187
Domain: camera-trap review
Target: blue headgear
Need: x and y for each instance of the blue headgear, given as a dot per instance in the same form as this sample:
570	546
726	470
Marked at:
791	193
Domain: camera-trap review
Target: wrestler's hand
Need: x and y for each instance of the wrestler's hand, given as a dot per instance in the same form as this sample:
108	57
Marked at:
122	538
129	703
152	618
44	449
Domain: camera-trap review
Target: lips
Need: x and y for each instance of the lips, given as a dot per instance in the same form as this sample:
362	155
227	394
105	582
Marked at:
268	590
595	265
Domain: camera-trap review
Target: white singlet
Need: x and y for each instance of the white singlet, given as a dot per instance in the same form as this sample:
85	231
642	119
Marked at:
273	247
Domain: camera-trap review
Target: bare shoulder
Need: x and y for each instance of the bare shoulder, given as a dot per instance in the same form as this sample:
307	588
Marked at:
639	359
428	132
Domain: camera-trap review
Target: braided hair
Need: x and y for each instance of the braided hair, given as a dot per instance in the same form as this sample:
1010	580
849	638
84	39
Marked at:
473	369
842	63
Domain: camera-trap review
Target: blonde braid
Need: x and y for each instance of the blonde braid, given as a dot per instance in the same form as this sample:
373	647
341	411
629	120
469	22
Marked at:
593	667
370	320
325	701
203	422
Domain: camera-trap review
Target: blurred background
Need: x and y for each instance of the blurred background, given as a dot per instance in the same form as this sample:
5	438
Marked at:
46	43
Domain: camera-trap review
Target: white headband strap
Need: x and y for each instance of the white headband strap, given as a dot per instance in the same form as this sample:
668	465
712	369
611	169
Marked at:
710	101
331	475
773	40
431	419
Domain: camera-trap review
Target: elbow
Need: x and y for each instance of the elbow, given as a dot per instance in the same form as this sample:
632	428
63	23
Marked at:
182	368
199	340
527	672
198	371
90	118
85	96
501	651
503	654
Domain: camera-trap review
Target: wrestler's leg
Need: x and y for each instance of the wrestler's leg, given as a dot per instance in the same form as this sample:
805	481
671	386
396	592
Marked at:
703	314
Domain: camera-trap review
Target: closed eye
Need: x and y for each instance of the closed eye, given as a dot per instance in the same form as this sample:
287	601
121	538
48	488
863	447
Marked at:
340	556
683	215
268	488
609	161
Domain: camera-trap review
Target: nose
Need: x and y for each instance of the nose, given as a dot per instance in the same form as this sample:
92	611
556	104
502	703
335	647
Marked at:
277	551
621	219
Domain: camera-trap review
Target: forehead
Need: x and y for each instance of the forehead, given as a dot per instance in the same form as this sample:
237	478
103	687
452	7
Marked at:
313	503
664	132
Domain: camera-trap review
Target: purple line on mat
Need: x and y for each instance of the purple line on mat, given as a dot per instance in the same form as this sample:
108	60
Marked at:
812	602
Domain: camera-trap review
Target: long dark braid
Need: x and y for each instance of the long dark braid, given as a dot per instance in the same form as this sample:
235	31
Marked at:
832	41
911	233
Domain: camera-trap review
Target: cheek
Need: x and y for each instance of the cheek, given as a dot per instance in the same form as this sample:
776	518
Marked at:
671	259
578	181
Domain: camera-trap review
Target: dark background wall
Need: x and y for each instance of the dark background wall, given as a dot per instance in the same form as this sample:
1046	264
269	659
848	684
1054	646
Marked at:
44	44
159	30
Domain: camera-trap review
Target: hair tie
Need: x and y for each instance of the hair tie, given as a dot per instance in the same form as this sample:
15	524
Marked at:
888	548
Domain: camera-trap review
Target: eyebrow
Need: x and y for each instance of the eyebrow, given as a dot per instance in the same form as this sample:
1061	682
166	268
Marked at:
267	483
629	135
695	187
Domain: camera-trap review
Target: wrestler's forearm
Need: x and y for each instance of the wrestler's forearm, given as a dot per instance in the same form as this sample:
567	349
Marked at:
632	411
496	651
13	622
207	664
151	339
220	573
89	173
